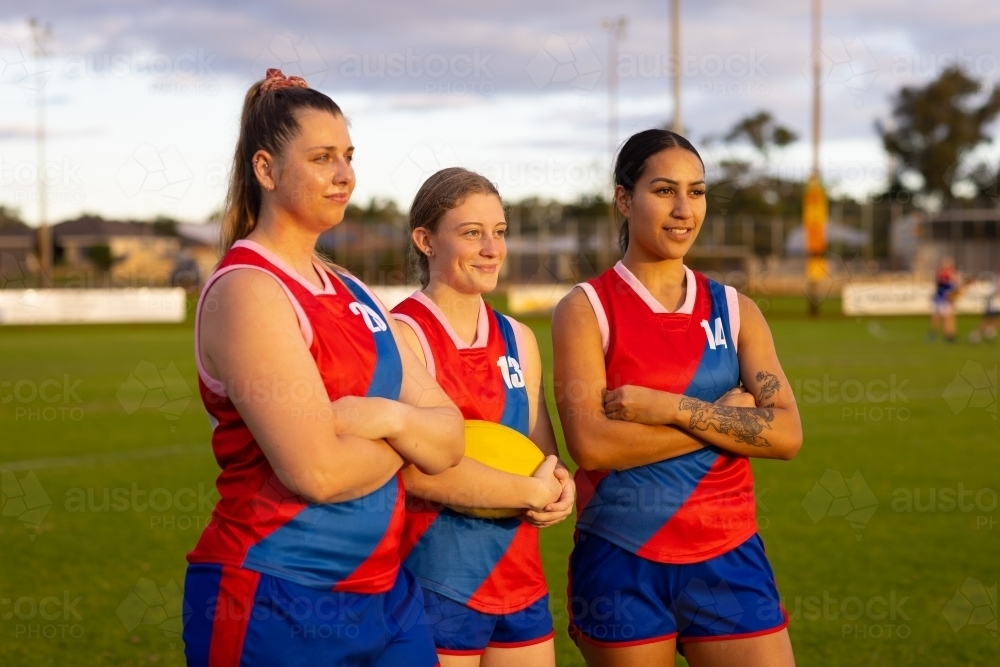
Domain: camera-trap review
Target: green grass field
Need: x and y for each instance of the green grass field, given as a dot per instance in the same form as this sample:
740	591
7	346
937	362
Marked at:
109	479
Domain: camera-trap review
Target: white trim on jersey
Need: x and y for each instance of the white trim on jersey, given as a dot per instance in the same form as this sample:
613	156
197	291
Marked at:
686	308
599	313
482	325
422	338
733	303
328	287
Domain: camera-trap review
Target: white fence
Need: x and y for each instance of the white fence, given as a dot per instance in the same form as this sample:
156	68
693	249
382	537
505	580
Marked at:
92	306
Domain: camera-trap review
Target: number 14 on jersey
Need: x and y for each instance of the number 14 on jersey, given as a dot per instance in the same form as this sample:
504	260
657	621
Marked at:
719	338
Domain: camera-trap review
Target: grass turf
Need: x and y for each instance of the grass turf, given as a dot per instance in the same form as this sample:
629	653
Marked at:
86	581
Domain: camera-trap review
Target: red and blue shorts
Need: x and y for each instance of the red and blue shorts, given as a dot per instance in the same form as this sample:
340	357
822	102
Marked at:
234	616
619	599
459	630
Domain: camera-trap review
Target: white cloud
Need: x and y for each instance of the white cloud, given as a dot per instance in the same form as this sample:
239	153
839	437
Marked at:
451	73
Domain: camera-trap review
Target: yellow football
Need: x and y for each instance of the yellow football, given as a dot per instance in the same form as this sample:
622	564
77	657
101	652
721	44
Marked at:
503	448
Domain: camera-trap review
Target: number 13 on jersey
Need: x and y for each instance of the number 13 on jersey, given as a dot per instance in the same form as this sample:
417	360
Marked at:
511	370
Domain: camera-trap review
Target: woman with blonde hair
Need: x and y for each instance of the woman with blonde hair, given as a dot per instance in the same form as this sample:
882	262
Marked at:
487	601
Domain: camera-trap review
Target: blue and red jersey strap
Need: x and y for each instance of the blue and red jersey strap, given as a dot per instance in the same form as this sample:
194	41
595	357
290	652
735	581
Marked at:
515	407
387	378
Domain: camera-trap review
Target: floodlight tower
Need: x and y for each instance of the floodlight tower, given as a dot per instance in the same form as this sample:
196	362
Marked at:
675	47
40	34
817	10
616	32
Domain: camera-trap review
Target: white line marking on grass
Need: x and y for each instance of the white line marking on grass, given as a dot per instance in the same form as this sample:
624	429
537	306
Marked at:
110	457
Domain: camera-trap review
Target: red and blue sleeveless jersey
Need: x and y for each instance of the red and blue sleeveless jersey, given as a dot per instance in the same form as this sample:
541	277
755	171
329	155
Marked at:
693	507
491	566
259	524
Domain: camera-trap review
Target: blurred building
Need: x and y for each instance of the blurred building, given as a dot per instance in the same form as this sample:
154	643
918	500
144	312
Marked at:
199	253
131	251
17	242
374	250
970	236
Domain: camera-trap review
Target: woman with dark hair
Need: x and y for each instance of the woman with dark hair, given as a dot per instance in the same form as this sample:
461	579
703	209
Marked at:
649	361
485	591
316	405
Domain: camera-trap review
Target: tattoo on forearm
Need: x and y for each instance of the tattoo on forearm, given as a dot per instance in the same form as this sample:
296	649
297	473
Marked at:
769	387
745	424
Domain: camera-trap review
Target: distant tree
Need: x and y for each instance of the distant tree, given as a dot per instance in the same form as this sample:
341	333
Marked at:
985	181
933	128
594	205
10	216
164	226
762	132
378	209
101	256
738	186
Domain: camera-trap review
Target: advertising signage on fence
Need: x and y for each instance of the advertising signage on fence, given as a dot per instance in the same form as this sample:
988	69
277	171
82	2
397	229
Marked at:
908	298
92	306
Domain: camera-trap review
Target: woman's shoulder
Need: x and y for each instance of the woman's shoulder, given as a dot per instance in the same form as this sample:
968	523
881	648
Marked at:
246	284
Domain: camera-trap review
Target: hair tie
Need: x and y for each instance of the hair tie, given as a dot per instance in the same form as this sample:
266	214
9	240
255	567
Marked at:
275	80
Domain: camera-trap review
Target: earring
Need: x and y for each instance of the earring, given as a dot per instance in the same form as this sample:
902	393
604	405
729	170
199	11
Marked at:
430	252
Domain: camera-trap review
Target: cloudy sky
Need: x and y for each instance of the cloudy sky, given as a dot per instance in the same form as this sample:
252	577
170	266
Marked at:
142	97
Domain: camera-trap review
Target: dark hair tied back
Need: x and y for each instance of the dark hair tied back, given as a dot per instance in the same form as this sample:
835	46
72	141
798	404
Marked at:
632	160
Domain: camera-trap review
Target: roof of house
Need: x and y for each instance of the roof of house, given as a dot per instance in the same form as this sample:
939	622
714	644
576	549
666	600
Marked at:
17	229
206	233
90	225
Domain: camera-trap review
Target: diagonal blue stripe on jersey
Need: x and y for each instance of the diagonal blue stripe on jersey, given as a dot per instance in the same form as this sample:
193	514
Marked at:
637	502
319	546
515	409
461	551
387	377
719	370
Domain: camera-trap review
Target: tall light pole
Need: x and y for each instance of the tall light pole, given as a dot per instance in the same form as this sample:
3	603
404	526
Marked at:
815	206
616	32
817	12
675	47
40	34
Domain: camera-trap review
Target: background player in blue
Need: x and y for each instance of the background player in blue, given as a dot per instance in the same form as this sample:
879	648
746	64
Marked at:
664	350
947	285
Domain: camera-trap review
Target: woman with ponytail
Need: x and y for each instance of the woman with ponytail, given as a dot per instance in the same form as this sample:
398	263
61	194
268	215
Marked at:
669	384
485	591
316	406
